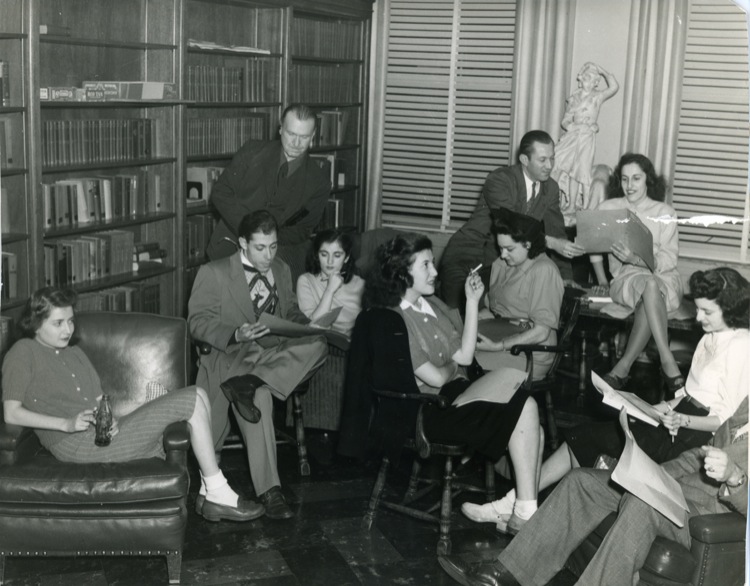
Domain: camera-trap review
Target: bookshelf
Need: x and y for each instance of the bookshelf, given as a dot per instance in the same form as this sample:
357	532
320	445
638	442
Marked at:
328	69
118	113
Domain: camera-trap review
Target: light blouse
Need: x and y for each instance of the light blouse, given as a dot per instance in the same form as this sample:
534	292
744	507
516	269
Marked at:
310	290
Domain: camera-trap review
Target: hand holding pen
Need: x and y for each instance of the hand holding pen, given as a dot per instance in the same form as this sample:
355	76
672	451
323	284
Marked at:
671	420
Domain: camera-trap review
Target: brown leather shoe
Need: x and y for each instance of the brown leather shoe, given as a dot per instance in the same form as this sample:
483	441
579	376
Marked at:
199	500
483	574
510	524
245	510
240	390
275	503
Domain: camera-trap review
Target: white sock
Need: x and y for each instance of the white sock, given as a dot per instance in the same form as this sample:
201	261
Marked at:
202	489
218	490
524	509
504	506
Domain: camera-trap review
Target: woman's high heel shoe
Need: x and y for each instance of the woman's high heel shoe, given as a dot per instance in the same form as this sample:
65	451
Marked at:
616	382
674	383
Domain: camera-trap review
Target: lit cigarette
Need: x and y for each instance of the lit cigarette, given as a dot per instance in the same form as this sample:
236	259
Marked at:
476	268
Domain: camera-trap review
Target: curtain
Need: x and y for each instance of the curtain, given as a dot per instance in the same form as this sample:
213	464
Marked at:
542	66
376	115
653	81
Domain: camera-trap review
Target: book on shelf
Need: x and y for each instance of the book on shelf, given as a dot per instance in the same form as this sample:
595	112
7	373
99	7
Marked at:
62	94
72	261
198	229
4	84
331	127
333	39
6	142
76	142
211	46
210	83
129	90
133	297
332	214
222	136
4	211
200	182
54	29
9	275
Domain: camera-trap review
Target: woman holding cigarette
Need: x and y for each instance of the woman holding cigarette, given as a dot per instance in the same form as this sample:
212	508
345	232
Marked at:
526	289
441	346
331	281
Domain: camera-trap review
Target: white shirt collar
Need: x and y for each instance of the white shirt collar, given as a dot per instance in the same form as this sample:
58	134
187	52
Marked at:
530	186
421	306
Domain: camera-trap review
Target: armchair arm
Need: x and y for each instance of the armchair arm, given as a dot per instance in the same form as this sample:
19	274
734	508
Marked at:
528	348
204	348
718	528
424	398
176	441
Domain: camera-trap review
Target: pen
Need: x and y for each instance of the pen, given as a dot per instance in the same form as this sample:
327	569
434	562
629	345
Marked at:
476	268
675	433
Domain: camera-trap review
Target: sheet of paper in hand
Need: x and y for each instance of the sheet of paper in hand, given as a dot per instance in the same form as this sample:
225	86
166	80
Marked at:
645	479
633	404
326	320
501	390
283	327
598	230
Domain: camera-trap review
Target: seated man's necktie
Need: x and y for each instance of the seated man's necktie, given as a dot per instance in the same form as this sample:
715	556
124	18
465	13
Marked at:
264	295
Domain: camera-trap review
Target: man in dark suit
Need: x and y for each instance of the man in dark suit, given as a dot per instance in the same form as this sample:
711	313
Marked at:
526	188
277	176
247	365
713	479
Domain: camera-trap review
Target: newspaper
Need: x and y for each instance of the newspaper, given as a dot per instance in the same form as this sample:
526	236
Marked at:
633	404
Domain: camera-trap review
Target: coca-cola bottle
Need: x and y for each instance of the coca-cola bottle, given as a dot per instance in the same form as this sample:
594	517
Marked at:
103	422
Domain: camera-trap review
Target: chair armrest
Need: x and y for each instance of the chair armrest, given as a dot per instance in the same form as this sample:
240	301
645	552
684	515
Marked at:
425	398
9	435
718	528
527	348
177	436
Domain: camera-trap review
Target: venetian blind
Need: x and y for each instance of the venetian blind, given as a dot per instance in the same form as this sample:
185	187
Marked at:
448	107
711	164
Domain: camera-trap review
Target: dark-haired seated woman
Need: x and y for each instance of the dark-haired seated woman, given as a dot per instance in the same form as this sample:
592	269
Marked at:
717	383
52	387
331	281
441	346
526	287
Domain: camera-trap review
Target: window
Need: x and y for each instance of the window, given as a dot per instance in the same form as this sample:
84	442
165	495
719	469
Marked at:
448	107
711	163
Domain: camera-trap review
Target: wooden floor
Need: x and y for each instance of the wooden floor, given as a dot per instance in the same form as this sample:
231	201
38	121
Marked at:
323	545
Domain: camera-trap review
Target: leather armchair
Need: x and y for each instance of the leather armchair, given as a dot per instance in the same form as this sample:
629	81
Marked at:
48	507
716	556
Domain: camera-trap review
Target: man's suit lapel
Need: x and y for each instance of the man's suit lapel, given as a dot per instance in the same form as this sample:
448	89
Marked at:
238	288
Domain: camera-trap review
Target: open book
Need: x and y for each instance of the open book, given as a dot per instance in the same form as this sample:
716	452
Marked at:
598	230
283	327
501	390
633	404
645	479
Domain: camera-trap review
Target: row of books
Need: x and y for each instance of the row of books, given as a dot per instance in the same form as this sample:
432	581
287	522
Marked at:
198	231
4	84
330	39
105	91
6	142
9	274
331	126
70	202
208	83
74	142
137	296
200	183
312	84
73	261
219	136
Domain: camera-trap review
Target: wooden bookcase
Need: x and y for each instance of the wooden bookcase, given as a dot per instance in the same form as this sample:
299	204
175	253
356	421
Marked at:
227	68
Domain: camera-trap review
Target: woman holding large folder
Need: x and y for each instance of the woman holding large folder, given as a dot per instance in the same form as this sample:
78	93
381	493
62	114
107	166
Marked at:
652	295
441	346
717	383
